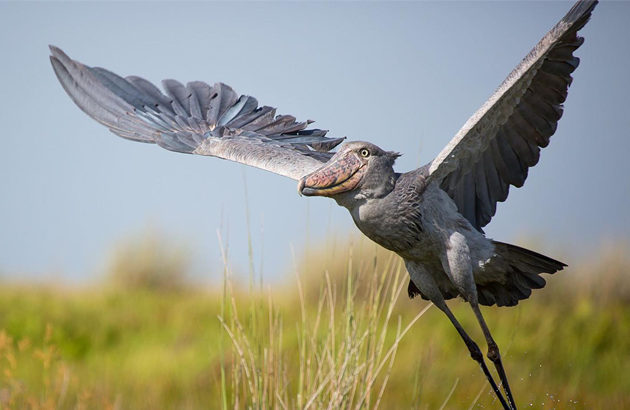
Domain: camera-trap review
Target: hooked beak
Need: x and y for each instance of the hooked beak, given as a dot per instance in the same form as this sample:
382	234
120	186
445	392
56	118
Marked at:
333	178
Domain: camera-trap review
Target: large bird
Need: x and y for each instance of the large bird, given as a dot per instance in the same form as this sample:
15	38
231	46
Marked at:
432	217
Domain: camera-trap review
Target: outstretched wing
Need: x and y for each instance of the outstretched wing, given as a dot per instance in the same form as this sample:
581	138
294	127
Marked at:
497	145
195	119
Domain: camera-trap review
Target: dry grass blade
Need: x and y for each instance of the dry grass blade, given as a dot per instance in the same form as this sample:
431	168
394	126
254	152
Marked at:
302	331
483	388
450	394
389	369
391	350
319	390
282	403
240	354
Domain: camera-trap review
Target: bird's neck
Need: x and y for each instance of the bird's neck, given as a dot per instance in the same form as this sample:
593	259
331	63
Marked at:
367	193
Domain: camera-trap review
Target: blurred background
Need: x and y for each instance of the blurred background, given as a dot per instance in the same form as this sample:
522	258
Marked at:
113	253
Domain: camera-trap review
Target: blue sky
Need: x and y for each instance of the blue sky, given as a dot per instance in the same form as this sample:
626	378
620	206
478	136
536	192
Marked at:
405	76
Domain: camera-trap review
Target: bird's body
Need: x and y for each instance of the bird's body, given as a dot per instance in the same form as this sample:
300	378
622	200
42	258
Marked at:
432	217
422	235
421	223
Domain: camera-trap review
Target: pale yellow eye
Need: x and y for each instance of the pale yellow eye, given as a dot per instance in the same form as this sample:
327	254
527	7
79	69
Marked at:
365	153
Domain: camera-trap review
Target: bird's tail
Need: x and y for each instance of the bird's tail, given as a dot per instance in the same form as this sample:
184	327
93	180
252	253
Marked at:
523	268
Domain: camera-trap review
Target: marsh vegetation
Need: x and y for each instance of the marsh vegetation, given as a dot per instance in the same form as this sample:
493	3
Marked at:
338	333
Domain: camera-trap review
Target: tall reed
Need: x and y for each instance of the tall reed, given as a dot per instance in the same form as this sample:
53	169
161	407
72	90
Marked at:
346	347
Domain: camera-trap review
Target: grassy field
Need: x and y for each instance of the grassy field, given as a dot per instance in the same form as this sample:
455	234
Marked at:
340	334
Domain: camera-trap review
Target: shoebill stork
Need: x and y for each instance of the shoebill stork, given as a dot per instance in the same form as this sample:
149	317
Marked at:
432	217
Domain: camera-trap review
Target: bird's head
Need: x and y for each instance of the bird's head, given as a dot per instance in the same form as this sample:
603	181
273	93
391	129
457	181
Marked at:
358	167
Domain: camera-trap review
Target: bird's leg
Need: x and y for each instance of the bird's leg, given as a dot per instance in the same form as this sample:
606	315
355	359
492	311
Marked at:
493	354
476	354
458	266
425	282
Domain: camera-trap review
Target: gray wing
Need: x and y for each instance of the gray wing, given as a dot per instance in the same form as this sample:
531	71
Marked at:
195	119
498	144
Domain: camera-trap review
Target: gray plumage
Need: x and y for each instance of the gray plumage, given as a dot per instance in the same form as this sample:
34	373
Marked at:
195	119
432	217
497	145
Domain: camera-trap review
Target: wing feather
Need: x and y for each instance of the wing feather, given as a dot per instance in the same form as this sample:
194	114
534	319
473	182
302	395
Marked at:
195	119
502	140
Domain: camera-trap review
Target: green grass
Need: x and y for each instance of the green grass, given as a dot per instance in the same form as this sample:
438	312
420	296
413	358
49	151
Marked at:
327	339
